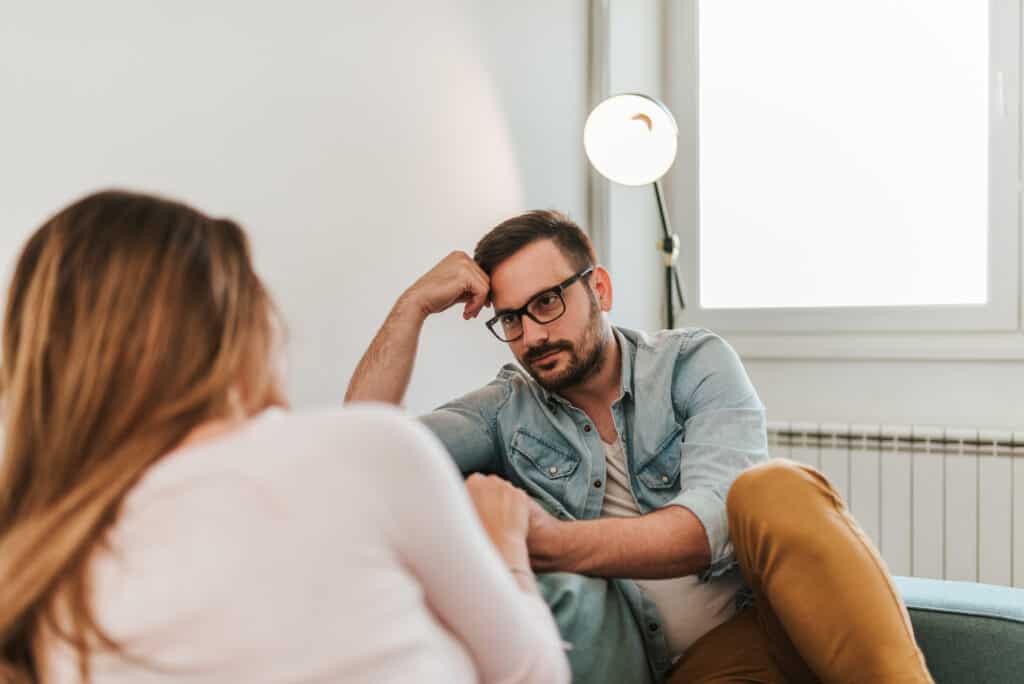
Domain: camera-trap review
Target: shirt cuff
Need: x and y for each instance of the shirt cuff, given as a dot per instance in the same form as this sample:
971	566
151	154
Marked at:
710	510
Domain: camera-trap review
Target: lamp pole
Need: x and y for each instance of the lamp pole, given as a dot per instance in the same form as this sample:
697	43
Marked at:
631	138
670	253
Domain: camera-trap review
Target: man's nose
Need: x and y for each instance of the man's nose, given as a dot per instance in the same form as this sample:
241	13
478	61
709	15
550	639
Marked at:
534	333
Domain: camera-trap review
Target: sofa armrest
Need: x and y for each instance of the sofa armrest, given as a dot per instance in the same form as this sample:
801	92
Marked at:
969	632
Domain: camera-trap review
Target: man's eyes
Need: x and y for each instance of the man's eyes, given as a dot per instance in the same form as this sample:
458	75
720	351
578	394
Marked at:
542	302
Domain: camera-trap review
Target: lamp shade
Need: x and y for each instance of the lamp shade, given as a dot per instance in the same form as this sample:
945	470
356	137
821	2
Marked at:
630	139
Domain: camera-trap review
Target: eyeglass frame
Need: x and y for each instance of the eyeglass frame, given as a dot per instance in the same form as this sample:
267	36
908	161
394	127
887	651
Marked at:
558	289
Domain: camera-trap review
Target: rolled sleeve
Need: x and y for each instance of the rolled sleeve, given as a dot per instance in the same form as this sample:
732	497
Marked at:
725	433
707	506
467	427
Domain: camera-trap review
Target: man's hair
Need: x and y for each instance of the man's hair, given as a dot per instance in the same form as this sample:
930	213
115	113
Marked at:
511	235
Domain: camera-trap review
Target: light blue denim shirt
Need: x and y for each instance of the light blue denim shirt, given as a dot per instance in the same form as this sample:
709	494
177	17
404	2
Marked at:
690	422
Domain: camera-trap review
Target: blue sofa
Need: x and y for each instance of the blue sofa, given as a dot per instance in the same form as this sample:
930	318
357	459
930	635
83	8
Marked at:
970	633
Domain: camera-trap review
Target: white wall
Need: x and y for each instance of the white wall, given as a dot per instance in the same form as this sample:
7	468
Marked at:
970	394
358	142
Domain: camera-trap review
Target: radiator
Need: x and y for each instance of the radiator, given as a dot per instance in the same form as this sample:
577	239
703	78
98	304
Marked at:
938	502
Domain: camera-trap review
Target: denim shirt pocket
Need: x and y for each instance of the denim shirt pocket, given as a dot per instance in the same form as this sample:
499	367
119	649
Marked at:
660	474
542	463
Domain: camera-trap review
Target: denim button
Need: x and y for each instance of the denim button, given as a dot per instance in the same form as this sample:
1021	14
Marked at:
664	478
552	470
653	626
597	483
586	428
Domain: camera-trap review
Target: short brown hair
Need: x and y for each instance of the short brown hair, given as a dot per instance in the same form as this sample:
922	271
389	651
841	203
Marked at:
511	235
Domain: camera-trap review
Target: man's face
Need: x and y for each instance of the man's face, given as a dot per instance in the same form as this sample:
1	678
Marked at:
569	350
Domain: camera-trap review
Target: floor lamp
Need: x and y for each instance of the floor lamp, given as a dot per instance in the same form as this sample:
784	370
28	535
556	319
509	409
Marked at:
631	139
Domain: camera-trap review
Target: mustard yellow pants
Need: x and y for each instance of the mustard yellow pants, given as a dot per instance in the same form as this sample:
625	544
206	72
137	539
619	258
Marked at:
825	608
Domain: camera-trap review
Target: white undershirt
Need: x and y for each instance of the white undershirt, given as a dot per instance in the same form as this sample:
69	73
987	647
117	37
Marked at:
689	608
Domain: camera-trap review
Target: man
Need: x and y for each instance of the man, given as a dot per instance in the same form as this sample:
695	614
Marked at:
643	454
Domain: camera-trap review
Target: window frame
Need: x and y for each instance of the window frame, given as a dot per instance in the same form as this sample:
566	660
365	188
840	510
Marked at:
1003	312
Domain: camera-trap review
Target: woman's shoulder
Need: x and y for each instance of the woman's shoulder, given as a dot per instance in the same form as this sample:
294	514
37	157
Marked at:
369	438
336	425
278	440
266	491
281	461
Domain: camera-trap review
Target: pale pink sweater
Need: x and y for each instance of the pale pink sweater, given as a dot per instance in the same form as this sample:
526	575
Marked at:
331	547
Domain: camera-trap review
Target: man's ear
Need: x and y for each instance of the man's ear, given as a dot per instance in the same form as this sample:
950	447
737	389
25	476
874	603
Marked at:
601	284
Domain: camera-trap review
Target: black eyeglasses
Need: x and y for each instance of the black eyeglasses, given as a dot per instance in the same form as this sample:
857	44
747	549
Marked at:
542	308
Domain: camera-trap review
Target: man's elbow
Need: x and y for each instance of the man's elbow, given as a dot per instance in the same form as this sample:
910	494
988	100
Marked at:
695	547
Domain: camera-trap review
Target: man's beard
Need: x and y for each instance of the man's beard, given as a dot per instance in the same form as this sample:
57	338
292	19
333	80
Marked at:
581	366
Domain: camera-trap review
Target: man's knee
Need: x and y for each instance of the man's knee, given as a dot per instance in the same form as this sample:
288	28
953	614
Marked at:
778	485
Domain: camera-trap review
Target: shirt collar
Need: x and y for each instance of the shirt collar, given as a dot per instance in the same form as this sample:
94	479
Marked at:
628	350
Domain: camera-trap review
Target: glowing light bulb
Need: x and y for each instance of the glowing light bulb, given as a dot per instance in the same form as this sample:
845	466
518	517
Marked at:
631	139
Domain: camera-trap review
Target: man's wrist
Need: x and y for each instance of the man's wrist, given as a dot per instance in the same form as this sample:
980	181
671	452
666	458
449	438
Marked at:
549	546
408	309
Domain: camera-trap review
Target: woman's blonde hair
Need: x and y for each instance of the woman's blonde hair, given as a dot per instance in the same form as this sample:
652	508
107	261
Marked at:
130	320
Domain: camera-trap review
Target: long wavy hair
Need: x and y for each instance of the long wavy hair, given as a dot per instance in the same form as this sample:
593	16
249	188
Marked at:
130	321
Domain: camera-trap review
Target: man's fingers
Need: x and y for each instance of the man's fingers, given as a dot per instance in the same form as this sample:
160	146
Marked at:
480	272
459	269
479	290
475	305
476	274
485	288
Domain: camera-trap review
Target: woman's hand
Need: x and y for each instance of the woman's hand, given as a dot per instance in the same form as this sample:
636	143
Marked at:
504	511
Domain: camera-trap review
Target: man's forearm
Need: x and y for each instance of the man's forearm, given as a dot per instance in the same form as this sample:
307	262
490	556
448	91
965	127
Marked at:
384	372
670	542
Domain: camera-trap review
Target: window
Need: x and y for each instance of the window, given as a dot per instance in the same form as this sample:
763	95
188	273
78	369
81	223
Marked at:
856	164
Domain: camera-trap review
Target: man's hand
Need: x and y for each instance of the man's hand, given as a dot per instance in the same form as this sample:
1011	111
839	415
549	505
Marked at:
543	539
457	278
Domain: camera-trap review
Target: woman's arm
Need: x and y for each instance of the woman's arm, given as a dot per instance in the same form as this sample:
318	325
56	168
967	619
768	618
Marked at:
504	624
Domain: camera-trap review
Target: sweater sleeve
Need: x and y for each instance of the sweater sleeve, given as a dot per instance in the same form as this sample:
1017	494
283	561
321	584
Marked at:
509	633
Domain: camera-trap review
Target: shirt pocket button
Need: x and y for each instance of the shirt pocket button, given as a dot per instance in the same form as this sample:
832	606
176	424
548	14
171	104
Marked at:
553	470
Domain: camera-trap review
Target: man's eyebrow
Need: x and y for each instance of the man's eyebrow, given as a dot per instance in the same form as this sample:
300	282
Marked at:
502	312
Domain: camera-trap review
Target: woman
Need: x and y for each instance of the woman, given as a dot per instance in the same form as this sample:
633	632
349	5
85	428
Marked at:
162	518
